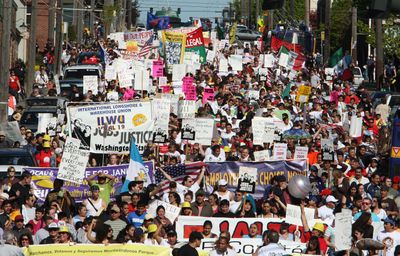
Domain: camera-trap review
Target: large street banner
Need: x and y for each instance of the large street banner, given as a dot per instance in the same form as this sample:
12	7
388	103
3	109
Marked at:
109	128
195	43
135	40
175	44
43	179
265	171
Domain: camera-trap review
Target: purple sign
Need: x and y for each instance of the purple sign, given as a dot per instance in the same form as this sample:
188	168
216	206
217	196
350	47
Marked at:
43	179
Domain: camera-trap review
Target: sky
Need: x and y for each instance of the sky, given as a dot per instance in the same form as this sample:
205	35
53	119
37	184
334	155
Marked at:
189	8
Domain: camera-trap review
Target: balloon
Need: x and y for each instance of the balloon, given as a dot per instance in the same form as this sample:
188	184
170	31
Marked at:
299	186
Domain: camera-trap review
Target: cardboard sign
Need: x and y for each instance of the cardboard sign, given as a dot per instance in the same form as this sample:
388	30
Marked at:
293	215
235	61
300	152
303	93
73	163
110	73
187	81
188	131
262	155
247	179
280	151
343	220
90	83
186	109
328	150
171	211
158	68
125	80
208	95
178	72
190	93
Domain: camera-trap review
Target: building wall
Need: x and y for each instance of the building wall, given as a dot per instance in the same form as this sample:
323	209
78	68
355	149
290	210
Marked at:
12	46
42	28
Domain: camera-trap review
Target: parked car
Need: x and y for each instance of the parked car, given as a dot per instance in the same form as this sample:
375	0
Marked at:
16	157
247	35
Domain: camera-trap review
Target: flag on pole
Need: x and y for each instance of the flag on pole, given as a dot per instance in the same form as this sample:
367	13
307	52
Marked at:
283	57
146	47
336	57
136	169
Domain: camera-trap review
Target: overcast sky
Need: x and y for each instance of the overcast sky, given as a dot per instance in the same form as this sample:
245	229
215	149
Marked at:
197	9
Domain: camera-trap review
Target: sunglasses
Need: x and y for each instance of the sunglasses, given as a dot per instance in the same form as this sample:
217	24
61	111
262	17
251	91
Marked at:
365	203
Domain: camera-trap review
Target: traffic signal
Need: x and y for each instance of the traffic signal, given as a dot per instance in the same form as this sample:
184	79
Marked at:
272	4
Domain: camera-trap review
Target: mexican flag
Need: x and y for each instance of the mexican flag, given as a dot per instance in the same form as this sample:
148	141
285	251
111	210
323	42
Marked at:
296	61
336	57
283	57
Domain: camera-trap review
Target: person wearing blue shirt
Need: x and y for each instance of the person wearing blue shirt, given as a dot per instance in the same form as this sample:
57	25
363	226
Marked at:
136	218
366	207
253	232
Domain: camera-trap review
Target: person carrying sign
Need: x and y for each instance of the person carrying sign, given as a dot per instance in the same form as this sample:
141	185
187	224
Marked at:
318	230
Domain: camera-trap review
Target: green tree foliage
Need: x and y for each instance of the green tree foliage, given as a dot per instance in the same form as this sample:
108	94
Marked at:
298	8
340	23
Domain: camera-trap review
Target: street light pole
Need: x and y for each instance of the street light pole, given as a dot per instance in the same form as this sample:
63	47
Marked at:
5	60
32	50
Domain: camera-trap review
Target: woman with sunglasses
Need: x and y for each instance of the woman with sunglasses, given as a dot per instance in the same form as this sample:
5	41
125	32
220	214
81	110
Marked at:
25	240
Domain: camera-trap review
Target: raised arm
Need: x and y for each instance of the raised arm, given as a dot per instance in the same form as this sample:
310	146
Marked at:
166	175
304	219
201	175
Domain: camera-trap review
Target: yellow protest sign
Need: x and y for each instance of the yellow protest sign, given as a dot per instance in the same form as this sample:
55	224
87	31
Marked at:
396	152
303	93
97	250
232	34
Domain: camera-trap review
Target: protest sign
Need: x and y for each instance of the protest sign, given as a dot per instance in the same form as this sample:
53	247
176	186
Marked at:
141	80
300	152
125	80
190	93
303	93
269	131
253	94
195	43
98	250
171	211
269	60
258	128
208	95
235	61
186	109
158	68
188	131
174	45
328	150
210	56
204	131
73	162
47	123
174	101
12	131
293	215
247	179
161	109
108	128
265	170
90	83
343	220
355	126
262	155
43	179
187	81
280	151
178	72
162	80
223	65
110	73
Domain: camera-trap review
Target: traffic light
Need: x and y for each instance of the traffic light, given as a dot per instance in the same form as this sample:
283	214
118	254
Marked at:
272	4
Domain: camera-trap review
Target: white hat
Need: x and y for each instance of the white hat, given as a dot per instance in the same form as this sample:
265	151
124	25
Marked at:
5	196
331	199
222	182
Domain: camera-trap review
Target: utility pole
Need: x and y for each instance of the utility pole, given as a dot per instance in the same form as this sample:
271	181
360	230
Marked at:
91	25
79	25
379	53
307	14
327	48
74	14
257	13
129	7
52	14
270	22
354	34
5	60
32	50
58	46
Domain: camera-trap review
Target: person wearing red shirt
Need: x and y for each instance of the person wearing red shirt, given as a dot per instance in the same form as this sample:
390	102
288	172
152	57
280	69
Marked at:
318	230
13	82
44	156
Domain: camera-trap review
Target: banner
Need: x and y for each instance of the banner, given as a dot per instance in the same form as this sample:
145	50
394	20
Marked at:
195	43
237	227
73	162
135	40
248	246
277	43
108	128
265	171
97	250
174	44
43	179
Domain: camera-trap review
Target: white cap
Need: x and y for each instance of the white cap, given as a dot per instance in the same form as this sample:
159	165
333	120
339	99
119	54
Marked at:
331	199
5	196
222	182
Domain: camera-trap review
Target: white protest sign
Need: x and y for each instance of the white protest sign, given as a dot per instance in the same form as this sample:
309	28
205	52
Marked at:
247	179
125	80
204	131
355	126
46	121
178	72
110	73
269	60
90	83
12	131
171	211
258	125
280	151
262	155
236	62
343	220
174	101
293	215
253	94
300	152
141	80
269	132
210	56
186	109
73	163
162	80
223	65
161	110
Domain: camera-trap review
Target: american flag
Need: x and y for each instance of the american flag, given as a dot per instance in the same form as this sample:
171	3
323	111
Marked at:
178	172
146	47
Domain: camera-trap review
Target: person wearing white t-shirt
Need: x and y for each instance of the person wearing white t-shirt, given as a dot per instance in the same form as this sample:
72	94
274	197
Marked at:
228	133
215	155
222	248
326	212
271	246
188	182
389	237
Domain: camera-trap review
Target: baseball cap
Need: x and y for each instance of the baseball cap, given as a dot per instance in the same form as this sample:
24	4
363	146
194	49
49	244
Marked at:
64	229
148	216
326	192
4	195
314	168
389	220
186	205
53	225
46	144
152	228
94	187
18	218
319	226
222	182
331	199
115	208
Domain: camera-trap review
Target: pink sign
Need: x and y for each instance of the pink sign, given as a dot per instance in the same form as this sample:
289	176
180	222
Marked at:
187	81
208	95
190	93
158	68
166	89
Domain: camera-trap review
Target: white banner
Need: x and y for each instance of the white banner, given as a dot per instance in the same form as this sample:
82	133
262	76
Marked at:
108	128
90	83
186	109
171	211
73	163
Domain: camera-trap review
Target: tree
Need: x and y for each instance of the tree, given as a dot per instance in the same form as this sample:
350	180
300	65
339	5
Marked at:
340	24
298	8
135	11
